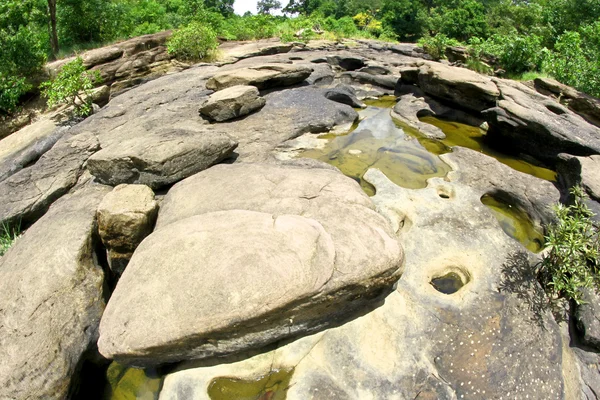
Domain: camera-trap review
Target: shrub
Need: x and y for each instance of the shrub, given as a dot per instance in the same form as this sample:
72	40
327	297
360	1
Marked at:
571	260
72	85
194	42
436	45
12	88
8	236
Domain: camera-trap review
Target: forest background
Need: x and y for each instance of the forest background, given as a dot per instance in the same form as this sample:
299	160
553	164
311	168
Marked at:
559	38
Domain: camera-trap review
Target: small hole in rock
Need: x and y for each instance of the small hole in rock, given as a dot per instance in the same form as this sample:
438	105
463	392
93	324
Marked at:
448	283
444	196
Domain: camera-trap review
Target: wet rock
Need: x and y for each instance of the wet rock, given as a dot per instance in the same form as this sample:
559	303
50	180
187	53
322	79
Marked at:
272	251
262	76
587	317
420	342
463	87
408	110
51	300
27	194
233	102
539	126
125	217
486	175
160	159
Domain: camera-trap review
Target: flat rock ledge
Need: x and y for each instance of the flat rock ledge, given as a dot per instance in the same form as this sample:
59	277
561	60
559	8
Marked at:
244	255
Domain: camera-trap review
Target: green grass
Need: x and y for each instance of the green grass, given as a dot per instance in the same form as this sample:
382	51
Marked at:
8	236
529	76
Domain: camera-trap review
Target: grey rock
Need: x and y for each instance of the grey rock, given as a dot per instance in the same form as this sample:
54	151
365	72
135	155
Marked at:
160	159
587	316
262	76
408	110
344	94
27	194
322	75
233	102
538	125
271	251
384	81
375	70
346	62
580	171
51	300
125	217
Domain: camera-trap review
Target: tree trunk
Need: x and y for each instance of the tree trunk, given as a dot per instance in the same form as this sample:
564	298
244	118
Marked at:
52	26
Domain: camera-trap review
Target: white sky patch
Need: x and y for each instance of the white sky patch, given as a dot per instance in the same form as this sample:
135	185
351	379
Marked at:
241	6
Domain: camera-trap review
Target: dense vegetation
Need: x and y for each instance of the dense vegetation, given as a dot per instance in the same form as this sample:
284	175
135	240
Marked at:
557	37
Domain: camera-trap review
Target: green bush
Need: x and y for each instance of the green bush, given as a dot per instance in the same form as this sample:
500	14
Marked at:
12	88
571	259
8	236
72	85
436	45
194	42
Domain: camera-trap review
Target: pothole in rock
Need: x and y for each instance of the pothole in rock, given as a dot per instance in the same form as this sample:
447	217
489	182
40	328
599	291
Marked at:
515	222
450	281
272	386
124	382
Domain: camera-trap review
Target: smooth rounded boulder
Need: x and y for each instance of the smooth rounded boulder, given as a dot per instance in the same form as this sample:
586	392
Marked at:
271	252
231	103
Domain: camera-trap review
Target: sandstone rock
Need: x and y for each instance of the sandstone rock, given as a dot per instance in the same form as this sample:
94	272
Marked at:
586	316
21	140
101	56
583	104
51	300
322	75
160	159
419	343
27	194
233	102
584	171
125	217
384	81
344	94
375	69
262	76
346	62
488	176
269	251
238	51
539	126
408	110
465	88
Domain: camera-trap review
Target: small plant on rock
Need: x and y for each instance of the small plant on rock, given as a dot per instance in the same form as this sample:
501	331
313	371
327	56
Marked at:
8	236
73	85
571	259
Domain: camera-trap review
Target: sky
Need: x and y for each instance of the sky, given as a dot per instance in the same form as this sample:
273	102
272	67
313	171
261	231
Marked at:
241	6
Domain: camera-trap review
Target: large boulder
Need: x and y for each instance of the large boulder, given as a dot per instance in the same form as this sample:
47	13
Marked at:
463	87
262	76
244	255
483	341
233	102
27	194
162	159
125	217
52	300
538	125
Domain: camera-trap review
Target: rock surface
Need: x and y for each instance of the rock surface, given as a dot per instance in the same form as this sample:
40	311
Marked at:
233	102
161	159
262	76
125	217
26	195
51	300
587	319
419	343
269	251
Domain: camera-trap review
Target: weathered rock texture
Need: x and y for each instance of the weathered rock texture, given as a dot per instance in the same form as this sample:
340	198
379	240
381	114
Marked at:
420	343
586	316
233	102
160	160
262	76
125	217
51	300
26	195
244	255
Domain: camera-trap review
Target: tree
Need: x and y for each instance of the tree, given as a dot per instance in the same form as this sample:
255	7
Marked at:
52	28
265	6
224	7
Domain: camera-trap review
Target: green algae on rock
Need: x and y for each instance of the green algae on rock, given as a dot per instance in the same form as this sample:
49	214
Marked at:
472	137
272	386
377	142
515	223
129	383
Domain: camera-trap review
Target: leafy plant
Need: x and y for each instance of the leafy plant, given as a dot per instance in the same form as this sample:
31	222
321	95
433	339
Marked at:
436	45
11	90
571	259
194	42
8	236
73	85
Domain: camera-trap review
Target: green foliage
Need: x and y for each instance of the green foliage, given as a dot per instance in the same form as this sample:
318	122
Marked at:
72	85
515	53
571	260
436	45
8	236
12	88
194	42
460	19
